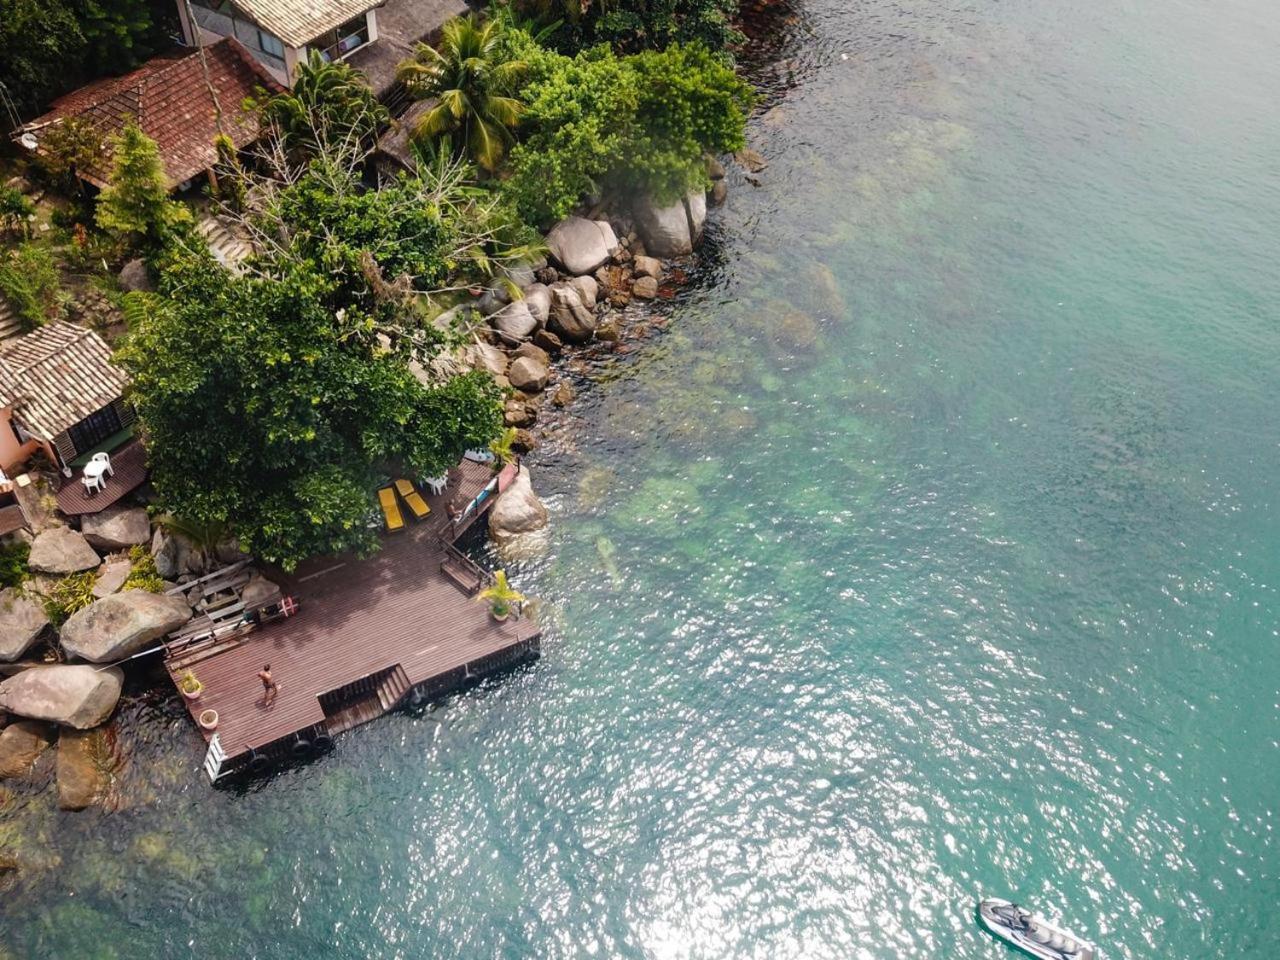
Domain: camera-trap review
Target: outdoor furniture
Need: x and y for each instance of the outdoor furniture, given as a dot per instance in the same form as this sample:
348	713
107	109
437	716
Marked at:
479	456
95	473
390	509
101	457
412	498
437	485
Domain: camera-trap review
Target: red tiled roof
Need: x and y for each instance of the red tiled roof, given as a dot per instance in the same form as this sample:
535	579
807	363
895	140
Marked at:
170	101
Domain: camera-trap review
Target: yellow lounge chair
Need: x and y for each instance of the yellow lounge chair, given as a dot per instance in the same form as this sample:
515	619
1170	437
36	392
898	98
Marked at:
390	509
412	499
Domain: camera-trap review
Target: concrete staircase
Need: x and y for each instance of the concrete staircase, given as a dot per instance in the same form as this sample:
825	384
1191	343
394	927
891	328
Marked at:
229	248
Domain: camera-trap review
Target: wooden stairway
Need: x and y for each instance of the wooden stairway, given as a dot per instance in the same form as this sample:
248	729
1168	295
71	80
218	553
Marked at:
364	700
392	688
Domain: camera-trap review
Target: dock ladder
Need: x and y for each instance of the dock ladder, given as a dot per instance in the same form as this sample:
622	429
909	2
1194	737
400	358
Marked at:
213	758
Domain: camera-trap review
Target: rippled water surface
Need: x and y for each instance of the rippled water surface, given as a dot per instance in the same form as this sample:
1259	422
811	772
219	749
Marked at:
926	546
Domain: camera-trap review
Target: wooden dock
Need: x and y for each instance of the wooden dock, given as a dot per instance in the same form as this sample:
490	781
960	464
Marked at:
370	635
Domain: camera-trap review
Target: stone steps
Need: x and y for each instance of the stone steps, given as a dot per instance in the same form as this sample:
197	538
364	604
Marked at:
228	248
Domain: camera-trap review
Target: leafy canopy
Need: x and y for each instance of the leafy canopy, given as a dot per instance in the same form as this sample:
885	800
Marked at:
471	76
135	205
636	124
329	104
263	411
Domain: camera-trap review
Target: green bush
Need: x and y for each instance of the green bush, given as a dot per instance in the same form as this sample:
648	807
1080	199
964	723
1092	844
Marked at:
15	208
29	281
637	124
68	595
142	573
13	564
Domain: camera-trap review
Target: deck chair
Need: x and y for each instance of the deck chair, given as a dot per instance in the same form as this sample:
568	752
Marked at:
412	499
390	509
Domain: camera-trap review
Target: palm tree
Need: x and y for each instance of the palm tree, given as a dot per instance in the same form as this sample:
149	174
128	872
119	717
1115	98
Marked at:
471	82
329	103
500	596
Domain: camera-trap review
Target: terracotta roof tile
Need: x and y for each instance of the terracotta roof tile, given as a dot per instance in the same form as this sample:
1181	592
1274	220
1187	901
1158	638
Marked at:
170	101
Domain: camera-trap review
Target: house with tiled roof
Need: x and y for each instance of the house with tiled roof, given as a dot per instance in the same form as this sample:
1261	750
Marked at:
60	392
177	100
371	35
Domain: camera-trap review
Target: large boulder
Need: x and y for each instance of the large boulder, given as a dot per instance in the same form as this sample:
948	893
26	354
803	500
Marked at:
580	245
122	624
257	591
673	230
648	267
528	374
61	550
570	319
134	276
82	778
587	289
517	510
74	695
531	349
22	621
116	528
21	744
514	320
537	298
164	549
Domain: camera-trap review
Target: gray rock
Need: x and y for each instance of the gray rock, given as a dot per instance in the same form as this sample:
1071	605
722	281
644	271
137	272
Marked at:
61	550
517	413
517	510
485	356
580	245
122	624
116	528
22	621
674	230
259	590
533	350
547	275
548	341
646	288
229	552
521	274
570	319
528	374
74	695
164	548
21	744
715	169
537	298
648	267
111	577
719	193
587	290
514	320
134	276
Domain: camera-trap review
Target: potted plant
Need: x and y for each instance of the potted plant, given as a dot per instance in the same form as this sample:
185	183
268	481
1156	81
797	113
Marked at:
189	686
208	719
500	597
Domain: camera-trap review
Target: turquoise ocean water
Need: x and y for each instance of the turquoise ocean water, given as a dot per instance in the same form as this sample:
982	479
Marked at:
926	547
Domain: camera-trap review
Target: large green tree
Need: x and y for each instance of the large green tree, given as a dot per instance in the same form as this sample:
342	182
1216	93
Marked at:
267	410
329	105
471	79
135	205
632	25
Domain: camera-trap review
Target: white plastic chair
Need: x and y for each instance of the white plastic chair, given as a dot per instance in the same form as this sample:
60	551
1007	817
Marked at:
436	485
103	458
92	484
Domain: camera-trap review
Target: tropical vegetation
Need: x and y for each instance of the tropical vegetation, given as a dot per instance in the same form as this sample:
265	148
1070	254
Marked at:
500	596
135	205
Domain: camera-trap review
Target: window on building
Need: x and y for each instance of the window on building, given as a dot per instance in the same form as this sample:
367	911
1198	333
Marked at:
336	44
95	428
269	44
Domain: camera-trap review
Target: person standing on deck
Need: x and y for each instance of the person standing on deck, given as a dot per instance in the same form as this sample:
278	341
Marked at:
269	688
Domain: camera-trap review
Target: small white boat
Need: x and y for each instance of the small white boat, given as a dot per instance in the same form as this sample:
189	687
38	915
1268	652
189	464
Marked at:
1022	929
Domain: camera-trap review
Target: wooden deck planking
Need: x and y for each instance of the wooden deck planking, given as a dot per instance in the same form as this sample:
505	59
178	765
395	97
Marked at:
357	617
130	465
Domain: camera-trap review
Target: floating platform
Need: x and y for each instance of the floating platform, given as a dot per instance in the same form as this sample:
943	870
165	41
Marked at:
369	635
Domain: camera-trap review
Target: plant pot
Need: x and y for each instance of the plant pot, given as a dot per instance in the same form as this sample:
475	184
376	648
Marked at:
192	697
208	719
499	616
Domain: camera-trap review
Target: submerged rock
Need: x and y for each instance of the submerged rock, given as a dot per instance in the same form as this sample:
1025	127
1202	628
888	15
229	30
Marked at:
22	621
83	777
122	624
21	744
580	245
646	288
116	528
61	550
75	695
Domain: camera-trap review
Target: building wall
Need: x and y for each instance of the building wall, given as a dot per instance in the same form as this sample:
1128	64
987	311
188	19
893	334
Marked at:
13	452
